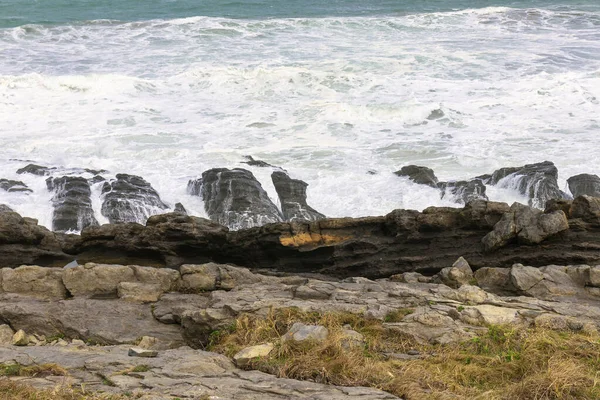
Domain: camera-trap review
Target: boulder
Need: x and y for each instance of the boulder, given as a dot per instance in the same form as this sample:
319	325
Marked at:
494	280
292	197
129	198
6	335
538	182
525	225
300	332
139	292
460	273
20	338
464	191
72	204
243	357
93	279
34	281
4	209
235	198
420	175
14	186
256	163
524	278
587	208
35	170
179	208
584	184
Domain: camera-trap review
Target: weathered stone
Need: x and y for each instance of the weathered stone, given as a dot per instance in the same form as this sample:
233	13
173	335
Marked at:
165	278
494	315
594	279
139	292
148	342
6	334
494	280
536	181
72	203
586	208
130	198
34	281
300	332
96	279
584	184
243	357
35	170
420	175
14	186
20	338
138	352
292	197
464	192
524	278
459	274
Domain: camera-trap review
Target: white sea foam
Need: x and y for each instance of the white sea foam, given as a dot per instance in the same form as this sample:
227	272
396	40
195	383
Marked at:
328	99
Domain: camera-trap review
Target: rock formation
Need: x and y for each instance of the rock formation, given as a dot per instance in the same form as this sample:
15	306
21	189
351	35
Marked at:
72	204
584	184
292	196
35	170
420	175
14	186
538	182
235	198
464	191
129	198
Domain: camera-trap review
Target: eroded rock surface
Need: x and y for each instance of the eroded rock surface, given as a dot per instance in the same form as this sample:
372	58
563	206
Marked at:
72	204
292	196
419	174
129	198
235	198
584	184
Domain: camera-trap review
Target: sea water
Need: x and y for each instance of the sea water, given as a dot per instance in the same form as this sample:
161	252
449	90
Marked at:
340	93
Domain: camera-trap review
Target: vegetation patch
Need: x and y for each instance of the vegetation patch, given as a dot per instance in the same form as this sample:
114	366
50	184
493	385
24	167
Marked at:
41	370
10	390
503	363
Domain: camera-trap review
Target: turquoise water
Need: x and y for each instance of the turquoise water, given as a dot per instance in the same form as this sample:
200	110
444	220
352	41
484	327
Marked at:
21	12
326	89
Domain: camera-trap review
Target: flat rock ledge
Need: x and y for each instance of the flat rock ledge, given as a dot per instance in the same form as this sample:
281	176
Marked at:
86	319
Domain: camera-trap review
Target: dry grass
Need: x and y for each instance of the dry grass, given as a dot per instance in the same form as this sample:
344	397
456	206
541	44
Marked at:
10	390
505	363
41	370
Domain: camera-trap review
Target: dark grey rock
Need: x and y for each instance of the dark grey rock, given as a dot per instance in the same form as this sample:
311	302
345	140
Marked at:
464	191
96	179
584	184
235	198
536	181
420	175
292	196
72	204
14	186
4	208
179	208
35	170
130	198
256	163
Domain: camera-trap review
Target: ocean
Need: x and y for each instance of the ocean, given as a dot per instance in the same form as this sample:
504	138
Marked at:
340	93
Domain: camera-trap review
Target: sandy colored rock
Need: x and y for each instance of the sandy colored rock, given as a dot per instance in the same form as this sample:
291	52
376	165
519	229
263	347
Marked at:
246	355
139	352
96	279
139	292
20	338
6	334
34	281
524	278
147	342
166	278
198	278
300	332
460	273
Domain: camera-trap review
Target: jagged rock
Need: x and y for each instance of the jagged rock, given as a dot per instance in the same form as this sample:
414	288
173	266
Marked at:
584	184
524	278
464	191
14	186
243	357
292	196
35	170
410	277
148	342
130	198
586	208
525	224
20	338
300	332
256	163
536	181
72	203
460	273
235	198
171	306
488	314
494	280
420	175
96	179
6	335
558	205
34	281
350	338
138	352
179	208
211	276
4	209
594	276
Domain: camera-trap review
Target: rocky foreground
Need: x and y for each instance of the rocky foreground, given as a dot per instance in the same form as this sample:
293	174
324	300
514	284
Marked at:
142	330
